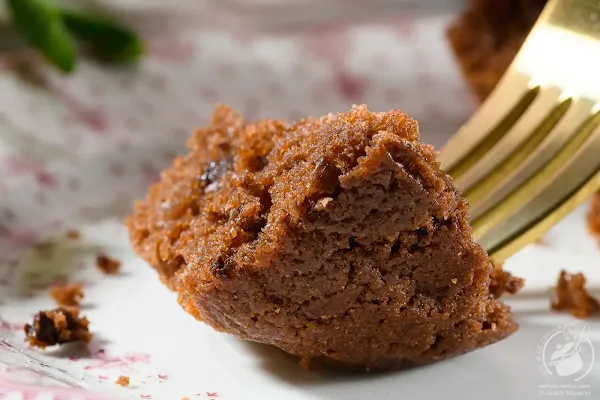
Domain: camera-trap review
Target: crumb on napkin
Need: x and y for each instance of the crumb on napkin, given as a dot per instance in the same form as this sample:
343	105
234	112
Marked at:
108	265
56	327
67	295
123	380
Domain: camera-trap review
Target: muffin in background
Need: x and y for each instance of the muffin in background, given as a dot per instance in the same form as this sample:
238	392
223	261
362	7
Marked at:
487	36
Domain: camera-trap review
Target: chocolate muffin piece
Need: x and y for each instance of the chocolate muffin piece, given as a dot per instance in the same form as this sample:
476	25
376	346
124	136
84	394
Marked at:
487	37
337	238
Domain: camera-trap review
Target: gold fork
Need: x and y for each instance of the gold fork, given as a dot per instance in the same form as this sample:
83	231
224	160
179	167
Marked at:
531	154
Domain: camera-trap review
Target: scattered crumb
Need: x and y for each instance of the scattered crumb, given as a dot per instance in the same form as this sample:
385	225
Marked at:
122	381
504	282
108	265
58	326
571	295
67	295
73	234
185	398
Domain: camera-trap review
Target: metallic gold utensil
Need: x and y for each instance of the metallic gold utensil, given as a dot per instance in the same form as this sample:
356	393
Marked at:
531	154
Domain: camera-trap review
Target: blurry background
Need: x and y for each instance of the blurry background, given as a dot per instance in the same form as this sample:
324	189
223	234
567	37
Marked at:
82	147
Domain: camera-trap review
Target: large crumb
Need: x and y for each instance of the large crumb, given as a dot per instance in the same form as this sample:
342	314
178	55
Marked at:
55	327
571	295
504	282
123	381
108	265
67	295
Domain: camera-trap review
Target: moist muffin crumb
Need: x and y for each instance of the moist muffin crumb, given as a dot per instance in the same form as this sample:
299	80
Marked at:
336	239
67	295
570	295
56	327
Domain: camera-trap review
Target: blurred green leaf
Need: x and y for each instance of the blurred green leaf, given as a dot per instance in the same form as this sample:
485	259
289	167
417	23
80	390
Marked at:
109	40
42	25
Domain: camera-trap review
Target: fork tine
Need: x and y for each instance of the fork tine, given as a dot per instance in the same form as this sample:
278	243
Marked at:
517	159
532	168
484	124
572	157
537	229
490	192
517	134
579	168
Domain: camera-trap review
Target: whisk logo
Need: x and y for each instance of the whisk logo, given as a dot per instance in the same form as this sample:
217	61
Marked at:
566	352
566	356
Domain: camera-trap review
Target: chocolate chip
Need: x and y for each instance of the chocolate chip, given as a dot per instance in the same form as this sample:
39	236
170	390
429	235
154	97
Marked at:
421	232
328	177
221	268
352	242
